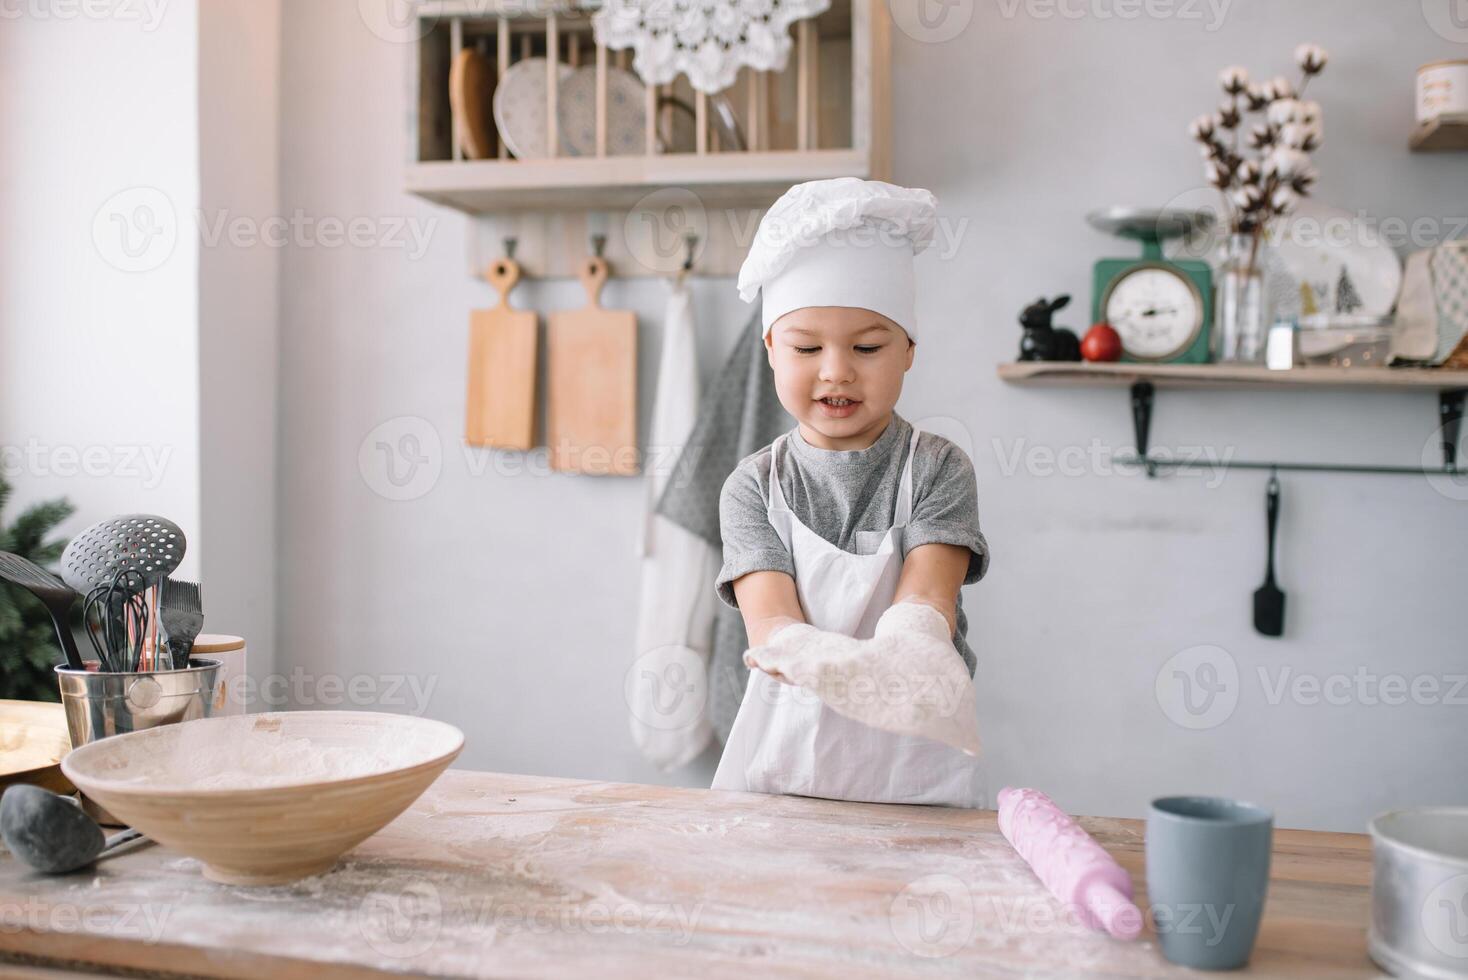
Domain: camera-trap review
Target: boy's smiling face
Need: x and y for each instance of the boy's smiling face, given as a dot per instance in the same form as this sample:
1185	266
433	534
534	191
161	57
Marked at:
823	355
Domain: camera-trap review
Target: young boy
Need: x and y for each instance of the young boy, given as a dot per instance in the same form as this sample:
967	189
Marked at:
853	529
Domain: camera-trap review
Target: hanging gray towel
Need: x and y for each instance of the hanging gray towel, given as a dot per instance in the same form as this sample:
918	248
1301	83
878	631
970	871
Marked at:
738	414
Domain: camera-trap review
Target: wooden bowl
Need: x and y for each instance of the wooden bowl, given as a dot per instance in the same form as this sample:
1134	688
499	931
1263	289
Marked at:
267	798
33	741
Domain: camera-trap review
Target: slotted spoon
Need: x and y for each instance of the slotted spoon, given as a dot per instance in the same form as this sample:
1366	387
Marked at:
151	546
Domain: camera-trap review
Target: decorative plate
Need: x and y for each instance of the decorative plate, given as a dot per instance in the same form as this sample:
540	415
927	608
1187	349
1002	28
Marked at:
626	113
520	107
1338	260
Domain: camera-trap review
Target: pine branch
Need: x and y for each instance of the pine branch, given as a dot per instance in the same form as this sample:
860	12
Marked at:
28	648
28	533
11	621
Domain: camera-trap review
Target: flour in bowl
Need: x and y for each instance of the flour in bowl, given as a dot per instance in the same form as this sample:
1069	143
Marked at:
274	759
261	759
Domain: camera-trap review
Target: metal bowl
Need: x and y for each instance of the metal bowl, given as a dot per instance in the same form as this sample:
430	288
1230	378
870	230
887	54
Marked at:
1419	892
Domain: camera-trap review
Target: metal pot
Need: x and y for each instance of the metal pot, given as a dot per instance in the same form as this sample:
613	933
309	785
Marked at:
1419	892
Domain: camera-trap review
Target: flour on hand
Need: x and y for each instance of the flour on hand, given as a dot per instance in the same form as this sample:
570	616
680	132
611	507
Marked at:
907	678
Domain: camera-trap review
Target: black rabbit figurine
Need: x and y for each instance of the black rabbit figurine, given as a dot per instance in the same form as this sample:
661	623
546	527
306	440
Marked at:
1042	341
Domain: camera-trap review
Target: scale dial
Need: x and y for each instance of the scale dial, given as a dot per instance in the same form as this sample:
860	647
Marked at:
1157	310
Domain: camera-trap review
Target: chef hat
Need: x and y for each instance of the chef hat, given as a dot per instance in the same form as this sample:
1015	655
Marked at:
841	242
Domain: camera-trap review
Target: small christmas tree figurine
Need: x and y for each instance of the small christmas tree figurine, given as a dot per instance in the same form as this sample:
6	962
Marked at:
1347	300
1308	306
28	648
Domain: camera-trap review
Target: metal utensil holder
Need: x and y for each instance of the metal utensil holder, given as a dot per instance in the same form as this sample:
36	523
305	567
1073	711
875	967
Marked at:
99	703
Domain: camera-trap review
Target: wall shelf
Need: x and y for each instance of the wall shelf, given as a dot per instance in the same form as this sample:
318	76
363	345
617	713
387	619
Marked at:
612	183
1143	379
1446	133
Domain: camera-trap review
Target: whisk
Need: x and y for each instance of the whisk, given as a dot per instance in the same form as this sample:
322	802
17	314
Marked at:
117	616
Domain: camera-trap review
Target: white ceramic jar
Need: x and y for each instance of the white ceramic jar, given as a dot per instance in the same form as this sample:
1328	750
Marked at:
1442	90
229	690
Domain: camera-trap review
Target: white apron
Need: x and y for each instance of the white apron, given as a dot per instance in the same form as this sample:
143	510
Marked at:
784	739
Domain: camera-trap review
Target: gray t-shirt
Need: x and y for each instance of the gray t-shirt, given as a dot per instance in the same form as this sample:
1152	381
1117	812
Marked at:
846	495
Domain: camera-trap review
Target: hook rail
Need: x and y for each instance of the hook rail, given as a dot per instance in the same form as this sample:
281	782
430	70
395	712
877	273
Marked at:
1143	394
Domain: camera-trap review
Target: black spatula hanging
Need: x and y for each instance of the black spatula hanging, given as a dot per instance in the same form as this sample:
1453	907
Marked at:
1269	600
54	595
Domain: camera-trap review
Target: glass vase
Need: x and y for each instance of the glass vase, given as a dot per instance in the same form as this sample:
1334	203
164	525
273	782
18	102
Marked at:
1241	321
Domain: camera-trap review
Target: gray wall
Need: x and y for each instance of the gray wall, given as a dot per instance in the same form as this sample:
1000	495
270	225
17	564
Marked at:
154	357
239	303
511	597
99	179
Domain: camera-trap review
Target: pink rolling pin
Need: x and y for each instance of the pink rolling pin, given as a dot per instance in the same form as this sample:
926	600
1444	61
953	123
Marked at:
1075	868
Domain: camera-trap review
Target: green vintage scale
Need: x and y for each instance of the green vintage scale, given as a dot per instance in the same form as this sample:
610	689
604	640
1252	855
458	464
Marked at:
1163	309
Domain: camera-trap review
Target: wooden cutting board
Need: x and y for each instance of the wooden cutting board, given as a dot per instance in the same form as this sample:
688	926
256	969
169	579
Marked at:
502	366
33	741
591	413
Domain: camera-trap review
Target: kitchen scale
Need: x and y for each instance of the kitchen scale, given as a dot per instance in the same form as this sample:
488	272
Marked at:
1162	309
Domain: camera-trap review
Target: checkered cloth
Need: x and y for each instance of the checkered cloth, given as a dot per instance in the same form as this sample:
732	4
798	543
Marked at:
1450	284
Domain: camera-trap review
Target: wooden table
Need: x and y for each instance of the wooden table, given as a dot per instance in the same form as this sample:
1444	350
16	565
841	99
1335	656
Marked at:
500	875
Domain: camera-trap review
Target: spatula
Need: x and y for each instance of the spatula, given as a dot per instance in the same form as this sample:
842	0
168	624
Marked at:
54	595
1269	600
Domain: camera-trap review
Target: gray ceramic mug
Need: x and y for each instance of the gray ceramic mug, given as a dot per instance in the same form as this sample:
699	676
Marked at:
1207	872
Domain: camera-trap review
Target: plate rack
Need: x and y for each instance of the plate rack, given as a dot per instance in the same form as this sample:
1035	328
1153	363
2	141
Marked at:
706	164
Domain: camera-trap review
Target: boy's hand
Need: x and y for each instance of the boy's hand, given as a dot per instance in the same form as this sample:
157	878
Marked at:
781	655
907	678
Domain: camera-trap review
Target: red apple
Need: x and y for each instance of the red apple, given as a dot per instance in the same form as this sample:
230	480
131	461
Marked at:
1101	343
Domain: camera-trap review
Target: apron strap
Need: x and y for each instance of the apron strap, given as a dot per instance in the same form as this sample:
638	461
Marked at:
776	495
903	511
